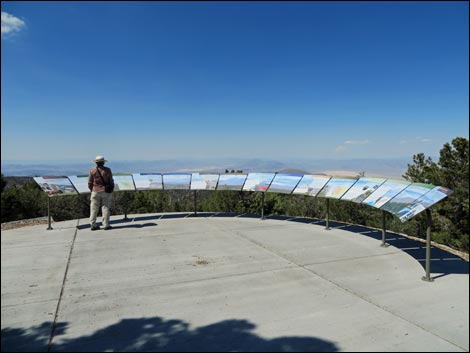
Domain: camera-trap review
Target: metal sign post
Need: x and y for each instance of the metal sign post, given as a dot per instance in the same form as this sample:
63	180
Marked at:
262	205
384	230
126	205
49	213
327	227
428	278
195	202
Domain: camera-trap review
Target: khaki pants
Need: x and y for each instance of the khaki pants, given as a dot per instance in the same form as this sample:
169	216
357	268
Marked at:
103	200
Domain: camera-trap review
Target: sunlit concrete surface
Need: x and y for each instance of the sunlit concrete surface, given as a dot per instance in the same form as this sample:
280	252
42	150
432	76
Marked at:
211	283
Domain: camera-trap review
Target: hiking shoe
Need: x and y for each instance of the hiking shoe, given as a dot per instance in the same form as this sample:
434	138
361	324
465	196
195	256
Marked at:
95	227
107	228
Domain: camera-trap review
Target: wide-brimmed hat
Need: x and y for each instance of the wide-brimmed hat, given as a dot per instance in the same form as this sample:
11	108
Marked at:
99	159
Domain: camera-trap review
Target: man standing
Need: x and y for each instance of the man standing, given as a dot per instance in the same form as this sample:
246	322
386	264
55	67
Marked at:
101	185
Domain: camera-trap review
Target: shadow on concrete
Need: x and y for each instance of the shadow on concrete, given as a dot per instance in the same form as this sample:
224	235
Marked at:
225	214
31	339
158	334
113	224
442	262
175	215
135	225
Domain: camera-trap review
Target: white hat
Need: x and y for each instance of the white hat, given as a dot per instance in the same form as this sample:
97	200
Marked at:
99	159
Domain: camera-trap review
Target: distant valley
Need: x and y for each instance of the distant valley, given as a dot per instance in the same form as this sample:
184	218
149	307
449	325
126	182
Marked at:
389	168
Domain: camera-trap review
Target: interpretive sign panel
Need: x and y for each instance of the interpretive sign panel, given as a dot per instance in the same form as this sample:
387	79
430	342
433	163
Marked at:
258	181
204	181
123	182
311	184
385	193
284	183
55	185
148	181
407	196
424	202
176	181
336	187
231	182
81	183
362	189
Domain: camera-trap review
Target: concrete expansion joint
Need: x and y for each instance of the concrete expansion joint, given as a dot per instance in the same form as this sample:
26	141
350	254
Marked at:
256	228
352	258
367	300
31	302
56	316
202	280
345	289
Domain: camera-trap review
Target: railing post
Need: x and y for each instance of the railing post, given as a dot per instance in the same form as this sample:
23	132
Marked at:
126	204
384	230
262	205
428	278
327	227
49	213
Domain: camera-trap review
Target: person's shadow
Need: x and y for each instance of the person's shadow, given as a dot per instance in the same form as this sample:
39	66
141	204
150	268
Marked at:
158	334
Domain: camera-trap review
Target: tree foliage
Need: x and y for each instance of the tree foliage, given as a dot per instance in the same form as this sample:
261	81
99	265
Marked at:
4	183
451	224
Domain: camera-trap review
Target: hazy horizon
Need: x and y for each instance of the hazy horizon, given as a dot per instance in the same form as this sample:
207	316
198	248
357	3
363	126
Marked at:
389	168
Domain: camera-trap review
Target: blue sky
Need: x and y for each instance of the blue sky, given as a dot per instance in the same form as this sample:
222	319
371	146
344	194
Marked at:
156	80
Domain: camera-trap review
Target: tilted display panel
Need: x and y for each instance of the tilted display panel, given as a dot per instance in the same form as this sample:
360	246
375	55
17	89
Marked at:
407	196
285	183
231	182
424	202
204	181
400	198
176	181
258	181
336	187
80	182
311	184
56	185
362	189
148	181
123	182
385	193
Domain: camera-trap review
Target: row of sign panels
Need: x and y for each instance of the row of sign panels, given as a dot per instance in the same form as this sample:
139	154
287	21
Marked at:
401	198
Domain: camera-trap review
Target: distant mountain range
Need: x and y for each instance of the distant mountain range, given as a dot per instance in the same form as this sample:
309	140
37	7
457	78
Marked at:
389	168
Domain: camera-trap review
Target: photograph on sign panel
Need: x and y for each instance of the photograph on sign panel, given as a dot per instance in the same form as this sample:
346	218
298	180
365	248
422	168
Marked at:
284	183
407	196
176	181
258	181
55	185
81	183
336	187
385	193
424	202
362	189
123	182
311	184
231	182
204	181
148	181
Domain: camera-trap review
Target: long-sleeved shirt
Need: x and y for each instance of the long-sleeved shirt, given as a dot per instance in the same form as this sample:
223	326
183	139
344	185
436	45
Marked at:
95	183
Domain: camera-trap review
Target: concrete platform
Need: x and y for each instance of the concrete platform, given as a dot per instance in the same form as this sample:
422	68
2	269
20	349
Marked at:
209	283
